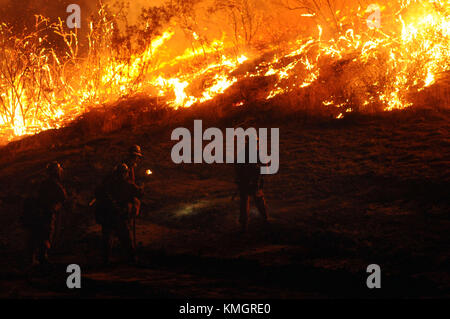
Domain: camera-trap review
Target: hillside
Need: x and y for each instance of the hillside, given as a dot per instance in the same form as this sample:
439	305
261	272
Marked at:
352	192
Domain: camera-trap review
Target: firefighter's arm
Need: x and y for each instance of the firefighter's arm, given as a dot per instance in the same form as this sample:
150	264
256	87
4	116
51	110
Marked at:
136	191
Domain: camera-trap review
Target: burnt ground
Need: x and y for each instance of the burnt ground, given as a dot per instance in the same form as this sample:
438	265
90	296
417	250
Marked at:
349	193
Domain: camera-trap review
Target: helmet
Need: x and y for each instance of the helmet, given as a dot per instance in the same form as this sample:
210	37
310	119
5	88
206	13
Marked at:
121	170
54	169
135	150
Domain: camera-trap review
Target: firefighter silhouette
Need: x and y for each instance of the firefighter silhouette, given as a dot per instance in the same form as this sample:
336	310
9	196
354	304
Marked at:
117	205
41	213
250	184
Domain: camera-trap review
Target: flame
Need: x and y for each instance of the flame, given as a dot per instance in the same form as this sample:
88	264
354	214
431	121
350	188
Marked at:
53	89
415	56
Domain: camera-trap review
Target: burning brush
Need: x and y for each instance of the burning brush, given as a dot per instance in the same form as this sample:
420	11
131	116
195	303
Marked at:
356	69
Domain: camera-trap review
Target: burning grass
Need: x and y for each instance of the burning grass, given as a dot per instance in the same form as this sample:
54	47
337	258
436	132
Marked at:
48	80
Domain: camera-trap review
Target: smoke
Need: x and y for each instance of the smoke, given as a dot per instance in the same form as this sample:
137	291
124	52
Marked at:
237	22
135	7
21	15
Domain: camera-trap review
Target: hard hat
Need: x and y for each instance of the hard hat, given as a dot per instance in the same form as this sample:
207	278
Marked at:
136	150
54	169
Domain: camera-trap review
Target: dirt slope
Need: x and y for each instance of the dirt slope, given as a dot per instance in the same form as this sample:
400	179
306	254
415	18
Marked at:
349	193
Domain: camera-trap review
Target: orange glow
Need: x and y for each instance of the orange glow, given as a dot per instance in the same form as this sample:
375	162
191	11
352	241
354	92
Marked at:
411	54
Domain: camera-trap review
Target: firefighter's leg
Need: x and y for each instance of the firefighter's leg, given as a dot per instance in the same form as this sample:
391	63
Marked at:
34	256
49	236
244	209
136	207
33	247
260	203
125	238
107	242
42	251
134	211
43	243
